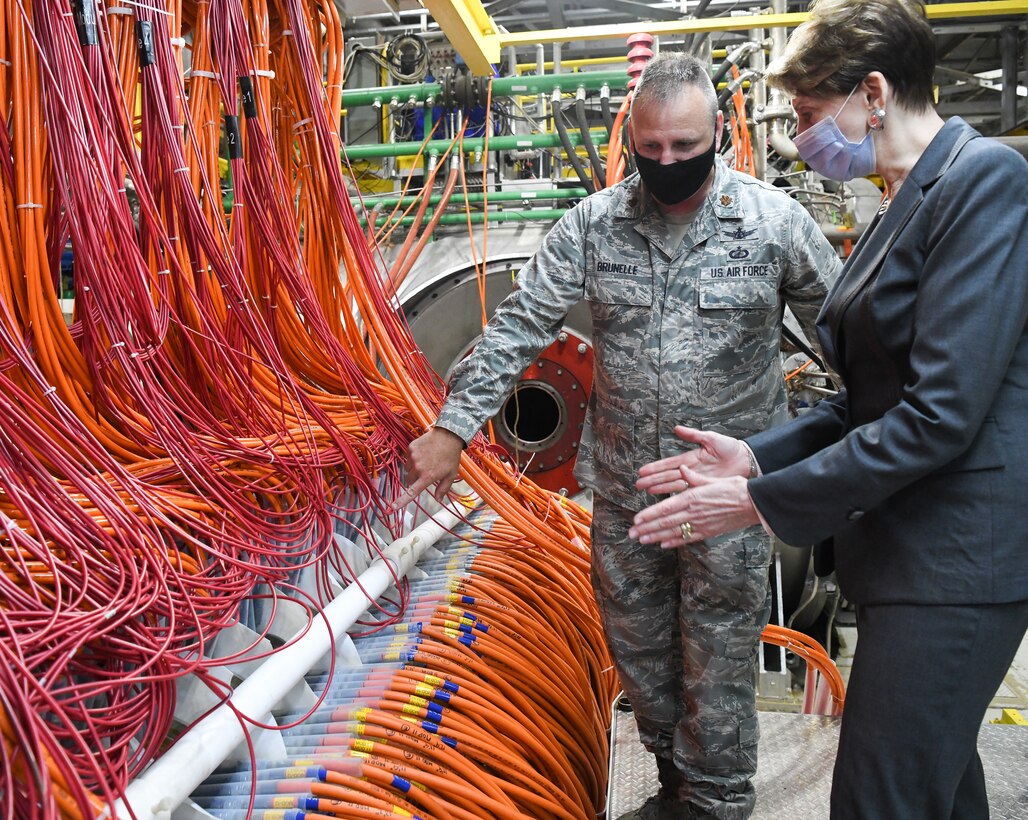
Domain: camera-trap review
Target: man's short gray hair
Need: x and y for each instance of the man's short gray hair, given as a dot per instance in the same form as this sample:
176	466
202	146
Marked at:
666	75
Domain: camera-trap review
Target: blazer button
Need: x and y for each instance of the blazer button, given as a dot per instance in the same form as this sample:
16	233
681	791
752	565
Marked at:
854	514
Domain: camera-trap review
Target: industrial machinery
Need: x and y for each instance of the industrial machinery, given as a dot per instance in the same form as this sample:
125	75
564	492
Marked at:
540	424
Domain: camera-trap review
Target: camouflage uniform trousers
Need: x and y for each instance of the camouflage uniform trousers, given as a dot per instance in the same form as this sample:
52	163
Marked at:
683	627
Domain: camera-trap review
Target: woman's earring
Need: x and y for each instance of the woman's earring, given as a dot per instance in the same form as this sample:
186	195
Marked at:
876	120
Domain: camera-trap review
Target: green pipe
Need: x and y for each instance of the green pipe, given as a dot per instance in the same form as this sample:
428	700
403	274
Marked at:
505	143
502	87
496	196
544	214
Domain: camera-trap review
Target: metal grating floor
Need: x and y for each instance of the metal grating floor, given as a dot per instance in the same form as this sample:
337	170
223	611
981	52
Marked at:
794	774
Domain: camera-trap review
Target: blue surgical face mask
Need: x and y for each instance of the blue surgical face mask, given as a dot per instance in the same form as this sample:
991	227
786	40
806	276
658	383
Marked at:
825	149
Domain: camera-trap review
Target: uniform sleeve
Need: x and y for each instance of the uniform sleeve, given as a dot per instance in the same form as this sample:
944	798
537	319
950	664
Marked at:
524	324
812	267
969	319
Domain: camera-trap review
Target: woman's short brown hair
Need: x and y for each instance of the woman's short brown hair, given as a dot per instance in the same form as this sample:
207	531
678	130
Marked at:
845	40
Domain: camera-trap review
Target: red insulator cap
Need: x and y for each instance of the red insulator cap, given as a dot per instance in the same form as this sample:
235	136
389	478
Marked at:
639	52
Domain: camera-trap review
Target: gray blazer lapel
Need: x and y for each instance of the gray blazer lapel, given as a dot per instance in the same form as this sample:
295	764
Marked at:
868	257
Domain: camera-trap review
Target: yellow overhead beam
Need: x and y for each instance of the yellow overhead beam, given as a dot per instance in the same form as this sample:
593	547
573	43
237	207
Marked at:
470	30
613	31
936	11
994	8
475	37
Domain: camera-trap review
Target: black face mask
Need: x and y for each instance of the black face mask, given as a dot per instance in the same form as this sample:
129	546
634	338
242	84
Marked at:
676	181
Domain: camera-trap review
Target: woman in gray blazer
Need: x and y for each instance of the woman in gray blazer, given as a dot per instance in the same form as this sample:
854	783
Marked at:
913	480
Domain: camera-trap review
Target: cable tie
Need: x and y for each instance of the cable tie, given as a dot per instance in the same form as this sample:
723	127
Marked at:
177	41
121	190
85	288
287	32
28	205
260	72
49	390
201	73
179	171
302	123
117	344
134	355
119	10
6	62
148	8
110	613
164	272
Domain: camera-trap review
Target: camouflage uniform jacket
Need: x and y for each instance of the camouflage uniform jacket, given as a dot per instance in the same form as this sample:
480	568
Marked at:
681	335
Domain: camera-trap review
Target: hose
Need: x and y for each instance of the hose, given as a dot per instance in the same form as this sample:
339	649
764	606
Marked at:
608	120
626	141
735	85
569	149
599	172
734	59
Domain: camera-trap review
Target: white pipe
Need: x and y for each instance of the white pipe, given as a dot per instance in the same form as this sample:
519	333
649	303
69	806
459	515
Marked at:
809	683
175	775
779	138
758	96
781	142
823	703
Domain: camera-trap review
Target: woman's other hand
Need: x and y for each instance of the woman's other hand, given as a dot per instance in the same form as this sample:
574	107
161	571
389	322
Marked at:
715	455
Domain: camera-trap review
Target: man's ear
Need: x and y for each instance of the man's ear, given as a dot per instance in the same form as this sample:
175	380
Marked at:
631	135
719	130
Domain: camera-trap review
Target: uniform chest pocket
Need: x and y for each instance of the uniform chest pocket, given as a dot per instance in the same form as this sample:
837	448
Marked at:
619	288
738	331
737	294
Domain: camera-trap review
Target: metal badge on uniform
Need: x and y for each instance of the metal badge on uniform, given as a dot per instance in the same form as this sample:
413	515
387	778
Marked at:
726	199
736	238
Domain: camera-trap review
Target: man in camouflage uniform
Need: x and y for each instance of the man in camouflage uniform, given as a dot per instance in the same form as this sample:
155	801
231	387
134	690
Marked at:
686	267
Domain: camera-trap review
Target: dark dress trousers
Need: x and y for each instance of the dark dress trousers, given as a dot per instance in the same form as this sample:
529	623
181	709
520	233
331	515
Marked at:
916	475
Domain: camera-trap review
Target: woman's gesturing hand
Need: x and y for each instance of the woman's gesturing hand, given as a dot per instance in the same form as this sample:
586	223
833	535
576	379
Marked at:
715	455
710	506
